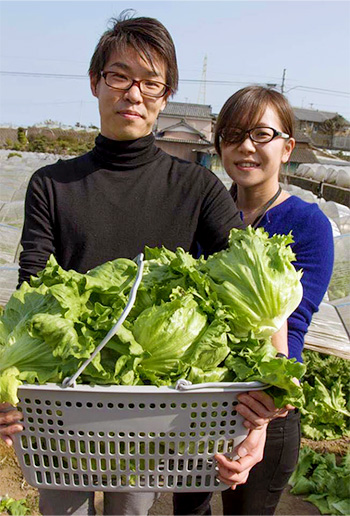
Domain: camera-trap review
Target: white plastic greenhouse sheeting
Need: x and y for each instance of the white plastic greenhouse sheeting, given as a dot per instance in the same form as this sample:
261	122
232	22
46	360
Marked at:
8	282
339	286
338	214
328	331
330	327
11	213
332	174
15	173
343	309
9	241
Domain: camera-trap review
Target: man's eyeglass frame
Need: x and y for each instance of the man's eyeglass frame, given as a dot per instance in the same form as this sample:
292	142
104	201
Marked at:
104	74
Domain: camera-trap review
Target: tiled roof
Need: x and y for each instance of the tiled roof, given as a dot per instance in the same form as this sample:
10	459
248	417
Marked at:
313	115
301	137
185	109
181	124
303	156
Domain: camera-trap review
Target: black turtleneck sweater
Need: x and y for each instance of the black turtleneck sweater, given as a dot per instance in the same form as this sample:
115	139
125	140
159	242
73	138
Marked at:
114	200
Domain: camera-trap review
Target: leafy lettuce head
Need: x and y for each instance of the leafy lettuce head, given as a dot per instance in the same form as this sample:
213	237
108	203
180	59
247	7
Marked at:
255	279
167	331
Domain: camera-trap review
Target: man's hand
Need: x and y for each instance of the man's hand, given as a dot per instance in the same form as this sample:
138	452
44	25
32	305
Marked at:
258	409
250	451
9	422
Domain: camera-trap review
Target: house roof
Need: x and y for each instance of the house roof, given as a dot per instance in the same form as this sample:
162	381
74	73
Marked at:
301	155
185	109
313	115
178	140
301	137
182	124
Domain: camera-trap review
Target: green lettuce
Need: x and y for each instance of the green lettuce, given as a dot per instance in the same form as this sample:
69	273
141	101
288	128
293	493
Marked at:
171	326
256	280
255	360
326	387
50	327
181	325
14	507
326	483
324	414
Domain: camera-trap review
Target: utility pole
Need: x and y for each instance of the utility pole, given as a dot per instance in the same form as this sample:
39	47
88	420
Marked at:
202	87
283	80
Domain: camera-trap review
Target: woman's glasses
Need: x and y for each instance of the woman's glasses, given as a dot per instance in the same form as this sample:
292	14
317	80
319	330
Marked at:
256	134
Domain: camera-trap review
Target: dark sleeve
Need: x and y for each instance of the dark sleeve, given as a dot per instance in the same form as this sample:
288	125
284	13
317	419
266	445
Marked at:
218	216
38	234
314	249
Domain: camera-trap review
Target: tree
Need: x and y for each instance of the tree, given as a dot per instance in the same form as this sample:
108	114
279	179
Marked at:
22	137
331	126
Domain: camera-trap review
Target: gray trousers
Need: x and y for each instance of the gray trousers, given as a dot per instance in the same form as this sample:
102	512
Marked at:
57	502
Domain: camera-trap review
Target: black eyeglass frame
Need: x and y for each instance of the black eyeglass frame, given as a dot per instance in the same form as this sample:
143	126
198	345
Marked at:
276	133
104	75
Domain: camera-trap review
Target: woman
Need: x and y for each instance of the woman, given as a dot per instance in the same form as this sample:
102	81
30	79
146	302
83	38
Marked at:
254	137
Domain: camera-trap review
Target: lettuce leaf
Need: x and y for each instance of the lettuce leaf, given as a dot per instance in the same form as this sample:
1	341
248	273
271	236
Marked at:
326	387
255	360
14	507
324	414
256	280
326	483
167	331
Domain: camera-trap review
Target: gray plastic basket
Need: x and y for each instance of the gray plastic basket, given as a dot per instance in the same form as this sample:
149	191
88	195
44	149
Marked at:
127	438
122	438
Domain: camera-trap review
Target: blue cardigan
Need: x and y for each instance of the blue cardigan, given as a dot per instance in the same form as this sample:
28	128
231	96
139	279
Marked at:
314	250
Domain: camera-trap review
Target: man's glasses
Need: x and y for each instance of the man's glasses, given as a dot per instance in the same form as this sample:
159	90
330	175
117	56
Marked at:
147	87
257	135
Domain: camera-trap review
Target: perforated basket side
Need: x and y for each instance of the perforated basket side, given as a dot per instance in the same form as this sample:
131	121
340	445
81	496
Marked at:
120	440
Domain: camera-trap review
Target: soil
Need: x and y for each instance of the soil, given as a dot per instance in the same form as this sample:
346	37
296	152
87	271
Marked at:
14	485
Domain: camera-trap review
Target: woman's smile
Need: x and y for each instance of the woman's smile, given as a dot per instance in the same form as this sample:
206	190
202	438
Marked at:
246	165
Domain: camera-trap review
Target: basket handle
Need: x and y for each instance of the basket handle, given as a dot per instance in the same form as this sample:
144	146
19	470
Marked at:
70	381
186	385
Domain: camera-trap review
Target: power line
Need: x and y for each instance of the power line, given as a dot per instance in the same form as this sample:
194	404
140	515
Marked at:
305	88
44	75
189	81
71	76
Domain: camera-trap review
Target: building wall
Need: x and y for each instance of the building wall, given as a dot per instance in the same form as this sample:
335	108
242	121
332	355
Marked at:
180	150
182	135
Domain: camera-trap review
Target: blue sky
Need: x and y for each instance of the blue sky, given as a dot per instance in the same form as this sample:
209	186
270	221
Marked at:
245	42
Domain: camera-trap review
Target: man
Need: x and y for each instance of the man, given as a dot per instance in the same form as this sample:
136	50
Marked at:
124	194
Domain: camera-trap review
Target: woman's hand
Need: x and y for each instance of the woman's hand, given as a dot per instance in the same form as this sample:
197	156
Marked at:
250	451
9	422
258	409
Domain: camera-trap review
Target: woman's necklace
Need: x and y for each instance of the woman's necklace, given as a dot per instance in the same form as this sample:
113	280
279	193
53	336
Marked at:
263	209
